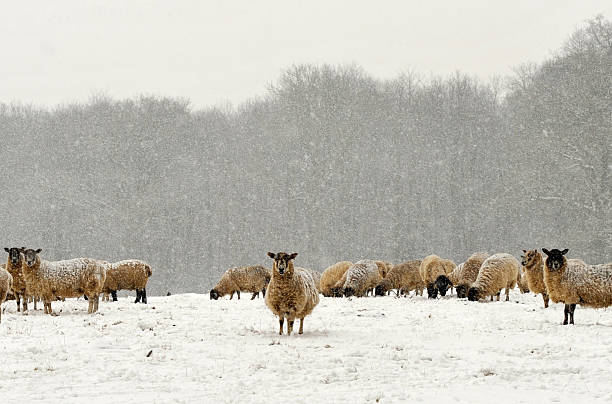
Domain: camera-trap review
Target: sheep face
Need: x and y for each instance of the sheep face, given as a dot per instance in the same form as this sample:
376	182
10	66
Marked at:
14	255
380	290
283	264
529	257
462	291
31	256
555	259
348	292
213	294
473	294
336	292
443	284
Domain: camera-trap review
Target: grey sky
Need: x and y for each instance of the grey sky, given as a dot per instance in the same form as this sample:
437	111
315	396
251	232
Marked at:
217	51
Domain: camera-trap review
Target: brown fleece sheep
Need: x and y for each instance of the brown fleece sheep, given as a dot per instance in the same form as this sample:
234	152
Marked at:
533	265
403	277
252	279
497	272
291	292
361	278
332	275
463	275
63	279
6	285
431	268
13	266
574	282
127	275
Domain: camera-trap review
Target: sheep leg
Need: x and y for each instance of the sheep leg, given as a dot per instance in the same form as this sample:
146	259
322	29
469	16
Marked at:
545	297
263	291
238	293
254	294
96	300
281	321
289	326
35	301
507	294
24	303
18	301
232	296
301	326
90	304
571	312
565	314
143	294
114	295
138	296
498	293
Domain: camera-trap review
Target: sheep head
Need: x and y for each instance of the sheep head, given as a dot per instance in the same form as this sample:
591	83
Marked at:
555	258
14	255
443	284
529	257
31	256
283	263
213	294
462	290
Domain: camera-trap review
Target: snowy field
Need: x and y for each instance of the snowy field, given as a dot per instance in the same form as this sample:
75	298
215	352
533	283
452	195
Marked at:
359	350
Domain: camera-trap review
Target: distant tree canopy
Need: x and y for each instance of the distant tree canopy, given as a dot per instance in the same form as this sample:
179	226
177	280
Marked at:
331	163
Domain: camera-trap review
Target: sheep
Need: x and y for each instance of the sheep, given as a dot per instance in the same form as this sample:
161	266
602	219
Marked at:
533	265
332	275
496	272
431	268
404	277
6	285
361	277
291	292
62	279
463	275
252	279
127	275
574	282
13	266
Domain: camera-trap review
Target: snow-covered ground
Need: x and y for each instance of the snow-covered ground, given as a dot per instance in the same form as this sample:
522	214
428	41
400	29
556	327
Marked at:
358	350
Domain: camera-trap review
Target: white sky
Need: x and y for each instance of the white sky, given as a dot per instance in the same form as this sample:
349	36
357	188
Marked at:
217	51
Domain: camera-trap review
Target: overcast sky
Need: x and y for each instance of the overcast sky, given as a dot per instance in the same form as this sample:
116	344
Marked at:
213	52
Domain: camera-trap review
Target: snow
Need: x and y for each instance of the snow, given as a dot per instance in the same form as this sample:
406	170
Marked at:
353	350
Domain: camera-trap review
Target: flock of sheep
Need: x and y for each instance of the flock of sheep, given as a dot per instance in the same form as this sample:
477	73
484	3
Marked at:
27	276
292	292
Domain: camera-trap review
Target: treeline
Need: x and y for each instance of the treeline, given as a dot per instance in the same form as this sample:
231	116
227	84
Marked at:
331	163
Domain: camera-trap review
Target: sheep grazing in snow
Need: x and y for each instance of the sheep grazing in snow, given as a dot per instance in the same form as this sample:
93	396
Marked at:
533	266
127	275
291	292
331	276
497	272
6	285
463	275
13	266
403	277
61	279
338	289
361	278
574	282
252	279
431	268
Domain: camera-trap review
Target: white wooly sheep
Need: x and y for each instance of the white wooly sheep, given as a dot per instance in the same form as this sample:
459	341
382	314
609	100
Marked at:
361	278
497	272
6	286
574	282
62	279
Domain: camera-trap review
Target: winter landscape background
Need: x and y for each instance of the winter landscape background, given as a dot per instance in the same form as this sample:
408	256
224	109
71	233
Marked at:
330	162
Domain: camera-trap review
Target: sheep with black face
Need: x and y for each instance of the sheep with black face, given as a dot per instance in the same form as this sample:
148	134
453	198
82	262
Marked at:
292	291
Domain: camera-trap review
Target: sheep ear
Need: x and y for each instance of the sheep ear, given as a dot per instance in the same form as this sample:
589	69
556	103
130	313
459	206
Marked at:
292	256
38	251
6	249
564	251
545	251
271	255
525	251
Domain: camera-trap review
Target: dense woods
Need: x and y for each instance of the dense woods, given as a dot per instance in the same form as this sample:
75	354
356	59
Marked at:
330	162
